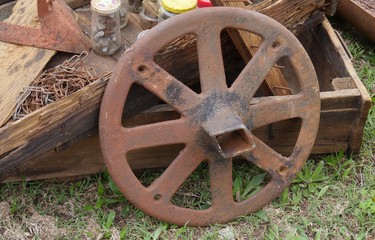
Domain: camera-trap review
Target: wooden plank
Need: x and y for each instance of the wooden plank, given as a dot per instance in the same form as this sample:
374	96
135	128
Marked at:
343	83
247	44
330	7
325	49
62	120
19	65
342	99
358	16
315	19
83	156
76	3
290	13
356	135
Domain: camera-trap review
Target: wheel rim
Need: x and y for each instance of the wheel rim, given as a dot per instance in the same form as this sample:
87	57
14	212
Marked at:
217	111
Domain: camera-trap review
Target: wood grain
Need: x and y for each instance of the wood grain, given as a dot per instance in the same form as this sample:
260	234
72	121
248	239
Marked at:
19	65
291	14
325	49
82	156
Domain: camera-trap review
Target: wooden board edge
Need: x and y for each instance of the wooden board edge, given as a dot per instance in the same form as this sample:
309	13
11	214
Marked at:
355	139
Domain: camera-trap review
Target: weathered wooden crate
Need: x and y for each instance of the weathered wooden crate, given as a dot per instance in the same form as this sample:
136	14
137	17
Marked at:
360	14
65	145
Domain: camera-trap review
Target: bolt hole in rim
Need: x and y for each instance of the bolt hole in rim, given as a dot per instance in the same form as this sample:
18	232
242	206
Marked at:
142	68
283	170
276	45
194	108
157	197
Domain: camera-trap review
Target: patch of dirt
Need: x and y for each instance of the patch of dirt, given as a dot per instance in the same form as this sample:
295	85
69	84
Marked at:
9	229
368	5
34	227
43	226
4	211
92	230
277	216
340	208
226	233
66	210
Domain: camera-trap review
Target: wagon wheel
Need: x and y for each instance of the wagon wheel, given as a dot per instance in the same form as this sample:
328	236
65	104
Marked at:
216	124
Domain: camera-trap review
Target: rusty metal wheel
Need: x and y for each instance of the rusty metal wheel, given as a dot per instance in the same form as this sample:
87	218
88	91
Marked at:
216	124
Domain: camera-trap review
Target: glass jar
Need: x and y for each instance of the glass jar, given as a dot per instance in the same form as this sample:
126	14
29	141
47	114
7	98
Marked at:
124	13
146	17
105	26
135	5
170	8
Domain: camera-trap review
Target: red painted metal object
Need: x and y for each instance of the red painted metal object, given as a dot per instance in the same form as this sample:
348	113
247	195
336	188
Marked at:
59	30
204	3
215	125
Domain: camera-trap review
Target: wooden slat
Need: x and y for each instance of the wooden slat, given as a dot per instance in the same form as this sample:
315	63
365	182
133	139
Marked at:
83	155
342	99
247	44
76	3
292	14
62	120
19	65
327	50
356	135
356	14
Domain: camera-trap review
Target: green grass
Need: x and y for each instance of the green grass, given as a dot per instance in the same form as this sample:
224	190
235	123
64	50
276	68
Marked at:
333	197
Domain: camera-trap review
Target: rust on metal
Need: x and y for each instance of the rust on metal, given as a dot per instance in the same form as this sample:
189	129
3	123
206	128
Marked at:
59	30
56	83
215	125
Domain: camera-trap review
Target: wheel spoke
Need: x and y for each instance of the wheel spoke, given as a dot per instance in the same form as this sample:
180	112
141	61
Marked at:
221	183
211	65
252	76
157	134
175	175
267	110
168	88
267	159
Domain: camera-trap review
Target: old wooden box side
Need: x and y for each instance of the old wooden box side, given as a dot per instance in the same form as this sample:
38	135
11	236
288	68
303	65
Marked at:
338	82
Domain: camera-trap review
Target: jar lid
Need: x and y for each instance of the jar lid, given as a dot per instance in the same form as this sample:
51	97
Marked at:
105	6
179	6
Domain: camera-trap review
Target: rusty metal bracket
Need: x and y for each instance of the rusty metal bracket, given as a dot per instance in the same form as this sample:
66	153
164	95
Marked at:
59	30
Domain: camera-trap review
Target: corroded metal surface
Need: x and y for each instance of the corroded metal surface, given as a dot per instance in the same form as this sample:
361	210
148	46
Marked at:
216	124
59	30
